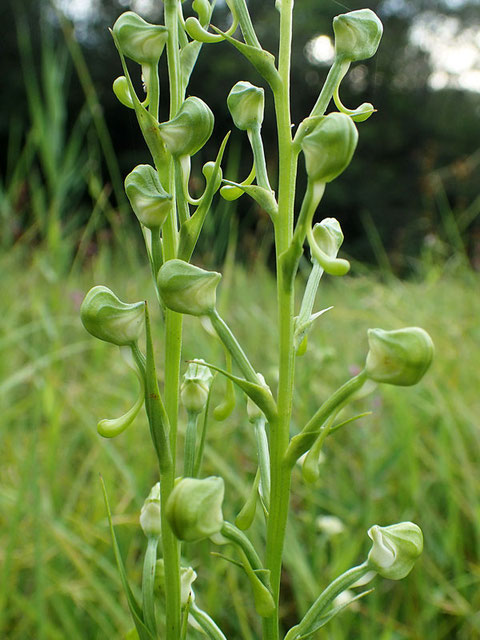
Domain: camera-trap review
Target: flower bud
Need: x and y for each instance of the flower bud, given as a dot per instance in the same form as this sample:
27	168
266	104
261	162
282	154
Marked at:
195	387
329	148
246	104
328	236
189	130
398	357
395	549
194	508
187	578
139	40
108	318
357	34
122	91
150	514
150	202
185	288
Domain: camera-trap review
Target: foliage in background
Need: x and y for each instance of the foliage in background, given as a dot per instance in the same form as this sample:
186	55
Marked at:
403	199
57	570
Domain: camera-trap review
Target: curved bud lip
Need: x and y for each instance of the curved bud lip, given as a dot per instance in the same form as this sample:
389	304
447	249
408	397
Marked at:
150	202
188	289
107	318
400	357
139	40
190	129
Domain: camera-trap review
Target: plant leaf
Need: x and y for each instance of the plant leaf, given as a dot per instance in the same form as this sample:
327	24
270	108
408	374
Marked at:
136	612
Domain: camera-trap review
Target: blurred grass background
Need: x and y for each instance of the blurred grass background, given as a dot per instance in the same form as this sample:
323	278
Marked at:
416	457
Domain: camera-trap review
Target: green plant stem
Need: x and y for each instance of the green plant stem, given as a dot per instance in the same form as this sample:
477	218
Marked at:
279	429
305	439
324	600
171	557
226	336
190	445
147	583
205	621
153	89
256	143
337	71
173	345
235	535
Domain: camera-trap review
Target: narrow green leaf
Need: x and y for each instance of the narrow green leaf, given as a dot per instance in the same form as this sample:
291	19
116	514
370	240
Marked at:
136	612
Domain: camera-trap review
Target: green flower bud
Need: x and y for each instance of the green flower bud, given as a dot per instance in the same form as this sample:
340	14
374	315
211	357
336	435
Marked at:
194	508
150	514
187	578
108	318
189	130
357	34
139	40
122	91
328	236
195	387
150	202
246	104
329	148
395	549
398	357
186	288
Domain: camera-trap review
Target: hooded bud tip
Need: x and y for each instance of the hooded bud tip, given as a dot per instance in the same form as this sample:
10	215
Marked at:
107	318
185	288
395	549
194	508
150	514
195	386
139	40
329	147
190	129
357	34
399	357
246	105
150	202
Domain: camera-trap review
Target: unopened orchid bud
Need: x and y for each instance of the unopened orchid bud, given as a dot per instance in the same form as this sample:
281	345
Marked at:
395	549
122	91
139	40
150	202
357	34
106	317
189	130
150	514
194	508
328	236
246	105
195	387
329	148
187	578
398	357
185	288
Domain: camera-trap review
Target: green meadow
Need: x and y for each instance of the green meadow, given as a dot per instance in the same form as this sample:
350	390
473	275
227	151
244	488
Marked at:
415	457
